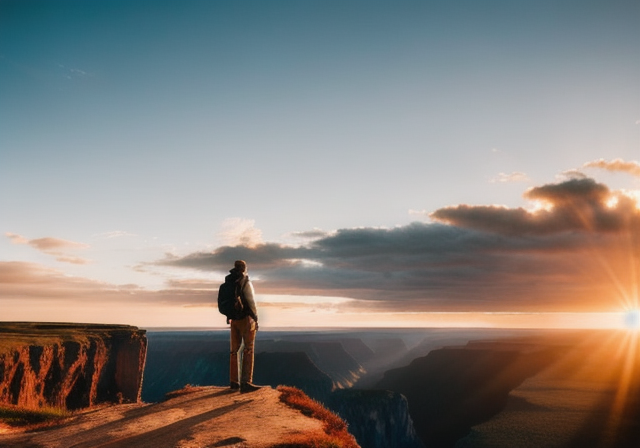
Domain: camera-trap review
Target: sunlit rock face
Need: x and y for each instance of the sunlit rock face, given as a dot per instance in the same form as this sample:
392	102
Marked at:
70	365
376	418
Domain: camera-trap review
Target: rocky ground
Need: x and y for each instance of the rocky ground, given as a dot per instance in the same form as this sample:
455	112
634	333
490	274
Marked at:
193	418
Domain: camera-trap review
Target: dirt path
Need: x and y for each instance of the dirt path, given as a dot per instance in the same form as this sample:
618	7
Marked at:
204	417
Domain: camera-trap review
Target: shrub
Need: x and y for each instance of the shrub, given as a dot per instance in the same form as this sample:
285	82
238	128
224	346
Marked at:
20	417
187	389
334	427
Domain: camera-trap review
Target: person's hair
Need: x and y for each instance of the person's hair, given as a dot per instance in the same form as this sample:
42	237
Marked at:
240	265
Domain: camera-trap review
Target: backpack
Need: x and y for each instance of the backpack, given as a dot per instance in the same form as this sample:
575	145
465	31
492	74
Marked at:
229	303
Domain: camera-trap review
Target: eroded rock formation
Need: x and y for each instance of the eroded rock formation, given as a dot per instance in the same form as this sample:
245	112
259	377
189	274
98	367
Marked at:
376	418
70	365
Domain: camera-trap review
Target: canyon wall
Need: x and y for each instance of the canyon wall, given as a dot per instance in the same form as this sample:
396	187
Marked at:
202	358
376	418
452	389
316	364
70	365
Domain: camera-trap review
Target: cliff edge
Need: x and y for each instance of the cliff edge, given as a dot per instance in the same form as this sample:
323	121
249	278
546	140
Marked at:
70	366
193	417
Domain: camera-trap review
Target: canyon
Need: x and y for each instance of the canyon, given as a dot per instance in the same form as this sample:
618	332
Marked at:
70	366
444	388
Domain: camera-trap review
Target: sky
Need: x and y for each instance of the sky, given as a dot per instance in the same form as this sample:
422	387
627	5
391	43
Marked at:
432	163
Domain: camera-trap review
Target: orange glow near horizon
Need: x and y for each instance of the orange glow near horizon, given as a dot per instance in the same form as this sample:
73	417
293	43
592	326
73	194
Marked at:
620	266
281	315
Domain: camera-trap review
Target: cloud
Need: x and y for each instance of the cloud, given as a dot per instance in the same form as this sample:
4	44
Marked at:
578	253
263	256
28	280
72	260
193	284
53	246
516	176
115	234
31	281
573	205
17	239
72	73
572	174
311	234
240	232
620	165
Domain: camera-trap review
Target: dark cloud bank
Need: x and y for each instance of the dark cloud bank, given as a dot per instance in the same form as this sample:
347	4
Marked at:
580	252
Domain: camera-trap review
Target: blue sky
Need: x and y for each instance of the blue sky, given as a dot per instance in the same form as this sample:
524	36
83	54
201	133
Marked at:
134	133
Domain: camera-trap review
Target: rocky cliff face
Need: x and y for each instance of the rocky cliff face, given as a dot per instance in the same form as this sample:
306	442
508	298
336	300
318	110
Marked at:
452	389
70	365
330	357
376	418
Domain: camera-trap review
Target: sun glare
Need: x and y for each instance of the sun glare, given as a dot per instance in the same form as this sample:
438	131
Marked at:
635	194
612	201
538	206
632	320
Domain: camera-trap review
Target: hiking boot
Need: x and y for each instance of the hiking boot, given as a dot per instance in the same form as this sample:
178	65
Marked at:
233	385
248	387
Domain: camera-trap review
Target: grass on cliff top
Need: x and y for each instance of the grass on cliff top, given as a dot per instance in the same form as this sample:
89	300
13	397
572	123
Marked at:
20	418
334	427
187	389
16	334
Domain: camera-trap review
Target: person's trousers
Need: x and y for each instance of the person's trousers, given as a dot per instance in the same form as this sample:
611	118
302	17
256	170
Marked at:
243	331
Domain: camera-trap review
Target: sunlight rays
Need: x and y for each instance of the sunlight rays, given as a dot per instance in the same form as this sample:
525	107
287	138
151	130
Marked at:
620	263
607	362
627	383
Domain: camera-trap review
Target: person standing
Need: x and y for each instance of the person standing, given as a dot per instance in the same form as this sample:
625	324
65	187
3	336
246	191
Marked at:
244	326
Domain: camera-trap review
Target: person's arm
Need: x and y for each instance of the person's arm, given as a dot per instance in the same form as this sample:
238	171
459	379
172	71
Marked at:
250	303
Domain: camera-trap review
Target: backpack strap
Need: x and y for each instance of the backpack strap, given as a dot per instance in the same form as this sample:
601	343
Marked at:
240	287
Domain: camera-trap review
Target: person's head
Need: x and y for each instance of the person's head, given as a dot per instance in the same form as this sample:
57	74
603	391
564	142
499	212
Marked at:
240	266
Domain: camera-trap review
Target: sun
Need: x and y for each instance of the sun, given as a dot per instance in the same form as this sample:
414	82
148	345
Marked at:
632	319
